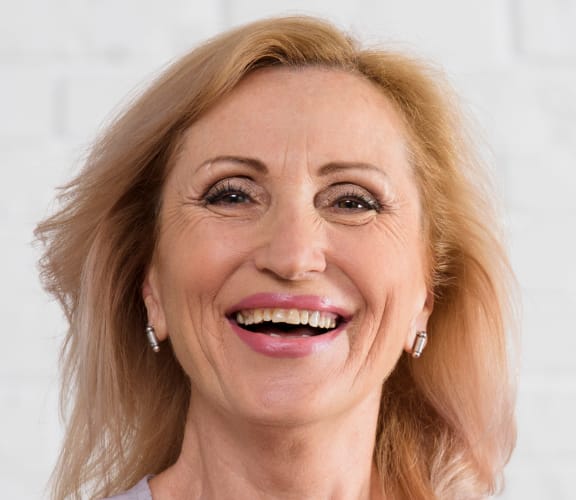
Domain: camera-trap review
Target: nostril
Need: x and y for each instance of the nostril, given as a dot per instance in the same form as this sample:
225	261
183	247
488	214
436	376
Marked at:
294	246
291	264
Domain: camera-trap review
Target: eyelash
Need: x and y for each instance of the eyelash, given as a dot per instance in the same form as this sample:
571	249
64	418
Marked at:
217	192
371	202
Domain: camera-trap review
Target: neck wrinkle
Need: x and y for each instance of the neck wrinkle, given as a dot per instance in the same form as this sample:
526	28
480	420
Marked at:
223	457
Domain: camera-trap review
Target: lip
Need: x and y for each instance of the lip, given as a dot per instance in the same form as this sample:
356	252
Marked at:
283	347
287	301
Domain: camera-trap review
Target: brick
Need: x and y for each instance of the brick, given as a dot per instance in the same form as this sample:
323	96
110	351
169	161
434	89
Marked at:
194	25
526	116
544	461
67	30
547	340
28	188
134	27
546	29
523	108
539	478
451	32
37	327
121	29
547	405
542	250
31	438
26	104
94	96
545	176
33	28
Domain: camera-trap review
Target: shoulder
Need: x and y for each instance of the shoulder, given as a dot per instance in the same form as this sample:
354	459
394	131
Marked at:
140	491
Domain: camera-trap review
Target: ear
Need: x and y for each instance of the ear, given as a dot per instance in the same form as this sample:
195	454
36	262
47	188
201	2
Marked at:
152	301
420	321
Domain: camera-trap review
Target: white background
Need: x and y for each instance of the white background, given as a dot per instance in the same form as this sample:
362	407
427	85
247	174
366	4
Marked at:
65	65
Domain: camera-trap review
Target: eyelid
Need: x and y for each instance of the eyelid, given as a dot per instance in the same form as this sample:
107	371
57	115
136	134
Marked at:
363	197
236	184
352	190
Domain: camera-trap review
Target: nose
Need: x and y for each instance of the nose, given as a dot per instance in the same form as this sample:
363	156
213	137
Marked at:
293	246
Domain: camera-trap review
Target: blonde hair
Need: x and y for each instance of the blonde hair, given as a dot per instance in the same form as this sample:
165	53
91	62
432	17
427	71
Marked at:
446	425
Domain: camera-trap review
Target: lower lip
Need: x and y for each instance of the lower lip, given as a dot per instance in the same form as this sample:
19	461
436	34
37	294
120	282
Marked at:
286	347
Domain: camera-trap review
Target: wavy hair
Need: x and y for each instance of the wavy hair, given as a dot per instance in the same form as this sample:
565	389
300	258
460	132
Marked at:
446	426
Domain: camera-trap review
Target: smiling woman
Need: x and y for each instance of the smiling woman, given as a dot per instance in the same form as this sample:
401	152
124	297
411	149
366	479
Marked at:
281	216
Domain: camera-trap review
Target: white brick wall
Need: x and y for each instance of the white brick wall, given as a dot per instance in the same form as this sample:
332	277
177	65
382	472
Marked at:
546	29
66	64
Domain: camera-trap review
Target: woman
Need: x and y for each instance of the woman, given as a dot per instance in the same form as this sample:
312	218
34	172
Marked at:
245	257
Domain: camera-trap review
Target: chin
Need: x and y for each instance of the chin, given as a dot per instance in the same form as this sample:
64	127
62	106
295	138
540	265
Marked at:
292	400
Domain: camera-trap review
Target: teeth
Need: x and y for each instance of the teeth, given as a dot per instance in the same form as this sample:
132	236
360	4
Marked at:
293	317
316	319
258	316
279	316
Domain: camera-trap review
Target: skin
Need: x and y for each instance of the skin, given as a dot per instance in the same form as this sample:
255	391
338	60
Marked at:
302	428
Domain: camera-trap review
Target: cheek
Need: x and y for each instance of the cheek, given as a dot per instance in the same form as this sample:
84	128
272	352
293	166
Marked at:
195	261
384	258
197	254
384	263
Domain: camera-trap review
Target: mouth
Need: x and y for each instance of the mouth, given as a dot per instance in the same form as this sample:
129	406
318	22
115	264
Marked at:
287	323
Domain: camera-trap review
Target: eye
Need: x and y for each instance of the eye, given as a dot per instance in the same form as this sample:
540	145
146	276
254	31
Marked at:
349	203
229	192
357	202
348	198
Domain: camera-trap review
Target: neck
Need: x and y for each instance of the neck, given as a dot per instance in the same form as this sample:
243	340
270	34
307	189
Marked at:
223	457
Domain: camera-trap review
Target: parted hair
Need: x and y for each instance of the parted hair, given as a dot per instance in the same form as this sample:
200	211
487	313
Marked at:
446	425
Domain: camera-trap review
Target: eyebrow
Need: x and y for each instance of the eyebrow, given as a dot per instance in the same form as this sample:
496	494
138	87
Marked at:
253	163
327	169
339	166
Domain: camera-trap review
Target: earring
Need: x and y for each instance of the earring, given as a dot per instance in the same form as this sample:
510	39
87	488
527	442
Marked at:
419	344
152	339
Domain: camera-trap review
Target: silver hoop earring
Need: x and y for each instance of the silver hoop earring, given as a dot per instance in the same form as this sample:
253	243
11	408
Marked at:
152	339
419	344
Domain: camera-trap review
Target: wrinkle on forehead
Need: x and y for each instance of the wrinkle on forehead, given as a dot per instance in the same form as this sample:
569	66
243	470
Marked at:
287	117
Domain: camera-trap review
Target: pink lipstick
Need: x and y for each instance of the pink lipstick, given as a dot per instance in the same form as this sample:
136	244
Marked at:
280	339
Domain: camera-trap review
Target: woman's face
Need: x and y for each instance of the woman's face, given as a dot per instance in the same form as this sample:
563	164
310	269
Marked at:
290	270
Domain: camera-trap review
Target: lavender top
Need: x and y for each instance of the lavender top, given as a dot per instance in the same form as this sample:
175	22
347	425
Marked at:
139	492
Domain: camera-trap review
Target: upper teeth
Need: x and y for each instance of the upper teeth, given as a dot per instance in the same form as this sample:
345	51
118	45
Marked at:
315	319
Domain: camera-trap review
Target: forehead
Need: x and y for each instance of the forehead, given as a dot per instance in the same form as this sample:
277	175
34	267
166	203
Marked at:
329	113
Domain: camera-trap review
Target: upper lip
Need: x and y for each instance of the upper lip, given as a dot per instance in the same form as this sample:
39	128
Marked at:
289	301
